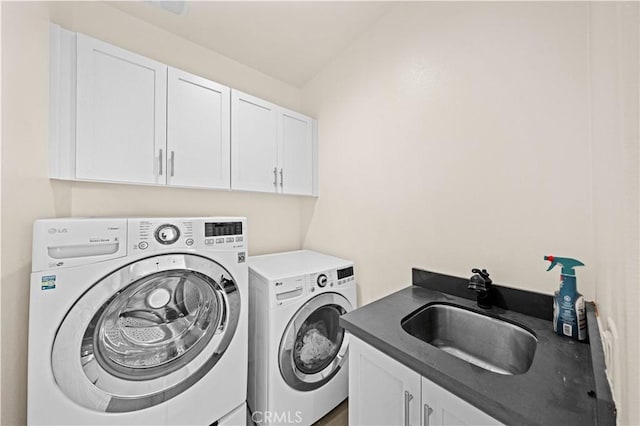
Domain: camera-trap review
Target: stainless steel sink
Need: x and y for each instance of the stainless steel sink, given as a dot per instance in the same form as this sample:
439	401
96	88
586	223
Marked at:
490	343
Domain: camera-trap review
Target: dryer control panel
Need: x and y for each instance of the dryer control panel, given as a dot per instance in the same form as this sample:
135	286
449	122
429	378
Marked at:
330	279
187	233
290	289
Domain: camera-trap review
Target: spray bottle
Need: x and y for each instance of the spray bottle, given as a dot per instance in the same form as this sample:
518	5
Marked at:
569	318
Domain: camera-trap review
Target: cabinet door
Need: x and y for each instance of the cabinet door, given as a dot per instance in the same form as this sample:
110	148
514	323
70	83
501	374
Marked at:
198	132
296	153
381	390
254	143
121	114
441	408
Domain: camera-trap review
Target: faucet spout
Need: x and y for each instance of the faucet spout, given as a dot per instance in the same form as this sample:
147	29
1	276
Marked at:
481	284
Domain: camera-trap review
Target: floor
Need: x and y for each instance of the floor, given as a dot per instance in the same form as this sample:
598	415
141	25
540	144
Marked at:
338	417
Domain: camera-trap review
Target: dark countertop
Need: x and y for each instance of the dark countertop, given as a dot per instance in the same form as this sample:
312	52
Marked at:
559	388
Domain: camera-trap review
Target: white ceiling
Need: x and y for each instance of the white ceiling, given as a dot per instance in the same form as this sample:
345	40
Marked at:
290	41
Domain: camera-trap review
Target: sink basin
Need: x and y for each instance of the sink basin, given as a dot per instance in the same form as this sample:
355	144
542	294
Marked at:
490	343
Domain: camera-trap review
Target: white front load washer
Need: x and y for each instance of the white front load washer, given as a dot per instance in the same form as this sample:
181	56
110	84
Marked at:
297	349
138	321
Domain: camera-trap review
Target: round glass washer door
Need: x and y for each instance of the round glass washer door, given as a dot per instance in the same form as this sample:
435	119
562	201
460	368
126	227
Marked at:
314	345
146	332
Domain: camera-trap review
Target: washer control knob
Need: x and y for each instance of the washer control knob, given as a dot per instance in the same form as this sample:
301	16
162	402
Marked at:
167	234
322	280
189	241
143	245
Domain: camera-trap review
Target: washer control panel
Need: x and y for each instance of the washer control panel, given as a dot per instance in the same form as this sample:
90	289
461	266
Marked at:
188	233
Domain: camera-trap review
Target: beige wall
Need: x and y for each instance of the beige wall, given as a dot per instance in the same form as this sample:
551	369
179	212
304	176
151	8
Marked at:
0	225
453	136
458	135
27	194
614	65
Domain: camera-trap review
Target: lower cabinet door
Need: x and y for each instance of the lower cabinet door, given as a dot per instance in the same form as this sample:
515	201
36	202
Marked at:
441	408
381	390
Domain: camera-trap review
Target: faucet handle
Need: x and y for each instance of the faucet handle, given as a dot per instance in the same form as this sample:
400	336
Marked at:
477	283
484	274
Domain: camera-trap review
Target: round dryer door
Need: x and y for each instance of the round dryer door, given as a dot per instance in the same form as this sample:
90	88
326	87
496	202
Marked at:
146	332
314	346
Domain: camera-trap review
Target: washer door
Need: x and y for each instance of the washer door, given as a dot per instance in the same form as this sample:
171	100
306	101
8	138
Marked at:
314	346
146	332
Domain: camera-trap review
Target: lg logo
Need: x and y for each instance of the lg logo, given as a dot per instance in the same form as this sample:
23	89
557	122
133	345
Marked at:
58	231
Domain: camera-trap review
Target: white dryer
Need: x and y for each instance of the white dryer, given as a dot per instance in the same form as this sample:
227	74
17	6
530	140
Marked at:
297	349
138	321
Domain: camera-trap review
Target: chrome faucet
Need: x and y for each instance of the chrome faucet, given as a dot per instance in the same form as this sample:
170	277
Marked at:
481	283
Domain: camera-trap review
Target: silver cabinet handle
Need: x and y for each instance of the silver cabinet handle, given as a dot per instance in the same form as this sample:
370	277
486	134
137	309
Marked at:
427	414
160	163
173	163
275	176
281	178
407	400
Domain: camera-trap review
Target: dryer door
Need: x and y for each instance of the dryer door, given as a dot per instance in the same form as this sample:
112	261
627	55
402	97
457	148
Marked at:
146	332
314	346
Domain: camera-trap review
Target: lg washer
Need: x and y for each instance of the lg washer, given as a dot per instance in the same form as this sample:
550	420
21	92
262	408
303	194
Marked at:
138	321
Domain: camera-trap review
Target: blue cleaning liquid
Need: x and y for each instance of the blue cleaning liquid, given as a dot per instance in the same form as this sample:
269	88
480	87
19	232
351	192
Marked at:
569	315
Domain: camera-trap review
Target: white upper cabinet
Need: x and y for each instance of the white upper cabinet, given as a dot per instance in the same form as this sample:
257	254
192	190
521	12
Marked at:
254	143
121	114
273	149
116	116
198	132
296	153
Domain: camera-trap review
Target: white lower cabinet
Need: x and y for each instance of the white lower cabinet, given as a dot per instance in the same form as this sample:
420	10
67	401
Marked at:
382	391
441	408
